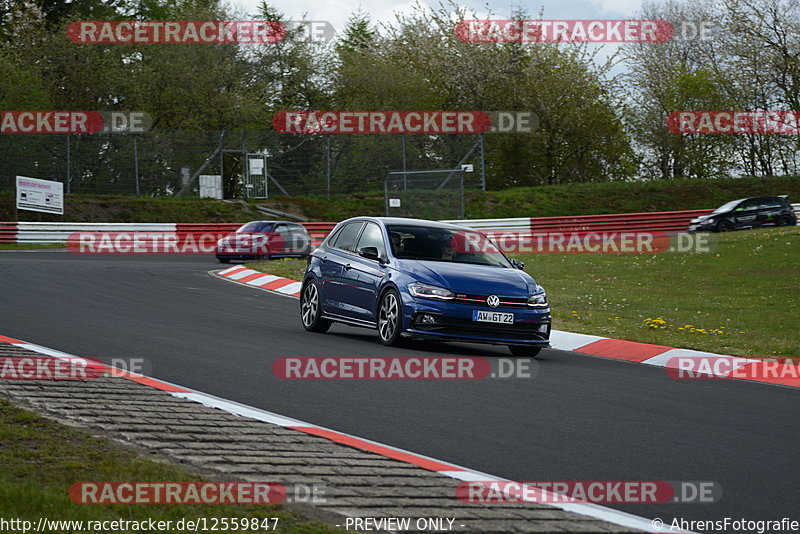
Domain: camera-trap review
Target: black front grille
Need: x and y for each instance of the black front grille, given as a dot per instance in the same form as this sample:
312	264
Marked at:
480	300
464	327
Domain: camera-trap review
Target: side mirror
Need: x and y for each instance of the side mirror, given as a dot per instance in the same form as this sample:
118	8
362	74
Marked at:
371	253
518	264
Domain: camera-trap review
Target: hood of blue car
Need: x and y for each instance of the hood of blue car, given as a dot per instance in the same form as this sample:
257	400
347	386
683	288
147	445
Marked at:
471	278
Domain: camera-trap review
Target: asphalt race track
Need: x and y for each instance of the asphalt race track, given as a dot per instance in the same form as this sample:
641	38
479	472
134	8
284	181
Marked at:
580	418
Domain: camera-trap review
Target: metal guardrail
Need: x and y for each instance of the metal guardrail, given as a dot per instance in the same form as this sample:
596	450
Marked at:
29	232
58	232
520	223
666	221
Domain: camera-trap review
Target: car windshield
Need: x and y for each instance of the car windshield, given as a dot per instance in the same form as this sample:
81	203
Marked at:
431	243
255	227
727	207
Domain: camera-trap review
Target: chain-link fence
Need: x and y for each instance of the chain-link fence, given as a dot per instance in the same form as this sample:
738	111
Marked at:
433	194
162	162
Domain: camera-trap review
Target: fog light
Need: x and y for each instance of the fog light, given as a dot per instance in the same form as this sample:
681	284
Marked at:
427	319
543	328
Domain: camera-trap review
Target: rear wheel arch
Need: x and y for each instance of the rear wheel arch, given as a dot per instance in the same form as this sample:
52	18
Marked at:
311	306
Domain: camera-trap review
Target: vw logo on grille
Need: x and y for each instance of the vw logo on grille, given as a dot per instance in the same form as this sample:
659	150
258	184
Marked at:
493	301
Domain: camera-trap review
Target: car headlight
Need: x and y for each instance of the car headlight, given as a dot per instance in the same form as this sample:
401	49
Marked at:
539	300
429	292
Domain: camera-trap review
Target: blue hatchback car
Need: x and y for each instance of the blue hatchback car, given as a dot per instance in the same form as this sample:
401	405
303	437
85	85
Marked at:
412	278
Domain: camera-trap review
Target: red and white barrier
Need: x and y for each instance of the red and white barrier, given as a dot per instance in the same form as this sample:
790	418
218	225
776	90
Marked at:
58	232
662	221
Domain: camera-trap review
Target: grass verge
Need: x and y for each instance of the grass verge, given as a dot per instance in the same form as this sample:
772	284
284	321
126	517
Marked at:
743	298
41	459
30	246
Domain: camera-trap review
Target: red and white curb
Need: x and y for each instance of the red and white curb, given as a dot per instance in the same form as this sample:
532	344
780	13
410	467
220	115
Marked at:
447	469
736	368
732	367
243	275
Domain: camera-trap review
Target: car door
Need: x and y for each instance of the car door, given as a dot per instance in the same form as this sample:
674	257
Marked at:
363	275
769	211
746	213
333	258
300	241
279	240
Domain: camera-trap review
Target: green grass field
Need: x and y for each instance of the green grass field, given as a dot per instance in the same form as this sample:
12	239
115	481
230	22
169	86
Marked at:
30	246
41	459
743	298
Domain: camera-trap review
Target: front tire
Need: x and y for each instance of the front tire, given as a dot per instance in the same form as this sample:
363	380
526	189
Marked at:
224	260
311	309
724	226
390	319
785	221
524	351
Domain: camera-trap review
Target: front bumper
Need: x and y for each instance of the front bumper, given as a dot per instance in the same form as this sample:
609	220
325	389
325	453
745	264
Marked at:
448	321
701	227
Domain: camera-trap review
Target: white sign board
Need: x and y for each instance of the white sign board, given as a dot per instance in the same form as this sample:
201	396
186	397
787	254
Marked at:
211	186
40	195
394	202
468	167
256	166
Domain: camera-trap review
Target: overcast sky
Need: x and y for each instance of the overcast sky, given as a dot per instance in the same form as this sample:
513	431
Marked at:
337	11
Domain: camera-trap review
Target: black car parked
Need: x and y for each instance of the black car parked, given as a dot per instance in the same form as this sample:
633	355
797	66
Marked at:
746	213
